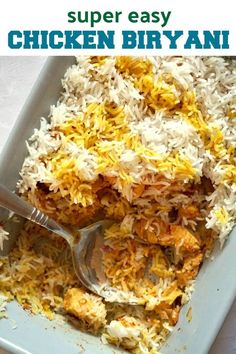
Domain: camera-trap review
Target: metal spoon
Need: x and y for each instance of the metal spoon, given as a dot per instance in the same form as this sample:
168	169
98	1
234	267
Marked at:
86	252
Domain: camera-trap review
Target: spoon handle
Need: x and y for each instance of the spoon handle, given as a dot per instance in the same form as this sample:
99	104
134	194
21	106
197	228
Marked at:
12	202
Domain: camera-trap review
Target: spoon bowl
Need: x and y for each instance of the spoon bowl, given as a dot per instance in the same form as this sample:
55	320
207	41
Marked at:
86	249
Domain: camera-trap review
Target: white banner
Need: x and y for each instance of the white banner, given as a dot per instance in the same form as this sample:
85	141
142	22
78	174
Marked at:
124	27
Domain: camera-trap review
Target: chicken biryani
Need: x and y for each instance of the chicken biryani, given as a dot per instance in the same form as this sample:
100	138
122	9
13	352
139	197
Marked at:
148	142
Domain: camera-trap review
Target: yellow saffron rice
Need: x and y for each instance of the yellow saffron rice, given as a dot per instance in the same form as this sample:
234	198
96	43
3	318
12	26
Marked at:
146	142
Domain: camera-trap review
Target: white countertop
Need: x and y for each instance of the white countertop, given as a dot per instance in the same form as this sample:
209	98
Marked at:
17	75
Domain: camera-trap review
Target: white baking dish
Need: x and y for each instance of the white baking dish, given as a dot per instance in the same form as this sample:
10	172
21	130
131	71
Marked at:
215	285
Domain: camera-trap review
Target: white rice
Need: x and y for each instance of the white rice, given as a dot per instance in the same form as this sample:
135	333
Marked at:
213	79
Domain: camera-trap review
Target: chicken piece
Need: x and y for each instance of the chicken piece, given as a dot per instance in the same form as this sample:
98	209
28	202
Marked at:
180	238
87	307
159	233
190	269
149	230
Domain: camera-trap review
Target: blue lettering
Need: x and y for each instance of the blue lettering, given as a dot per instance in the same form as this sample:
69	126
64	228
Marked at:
71	40
89	40
153	36
54	43
31	40
129	39
193	39
141	42
173	37
12	36
106	40
211	40
44	39
225	44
